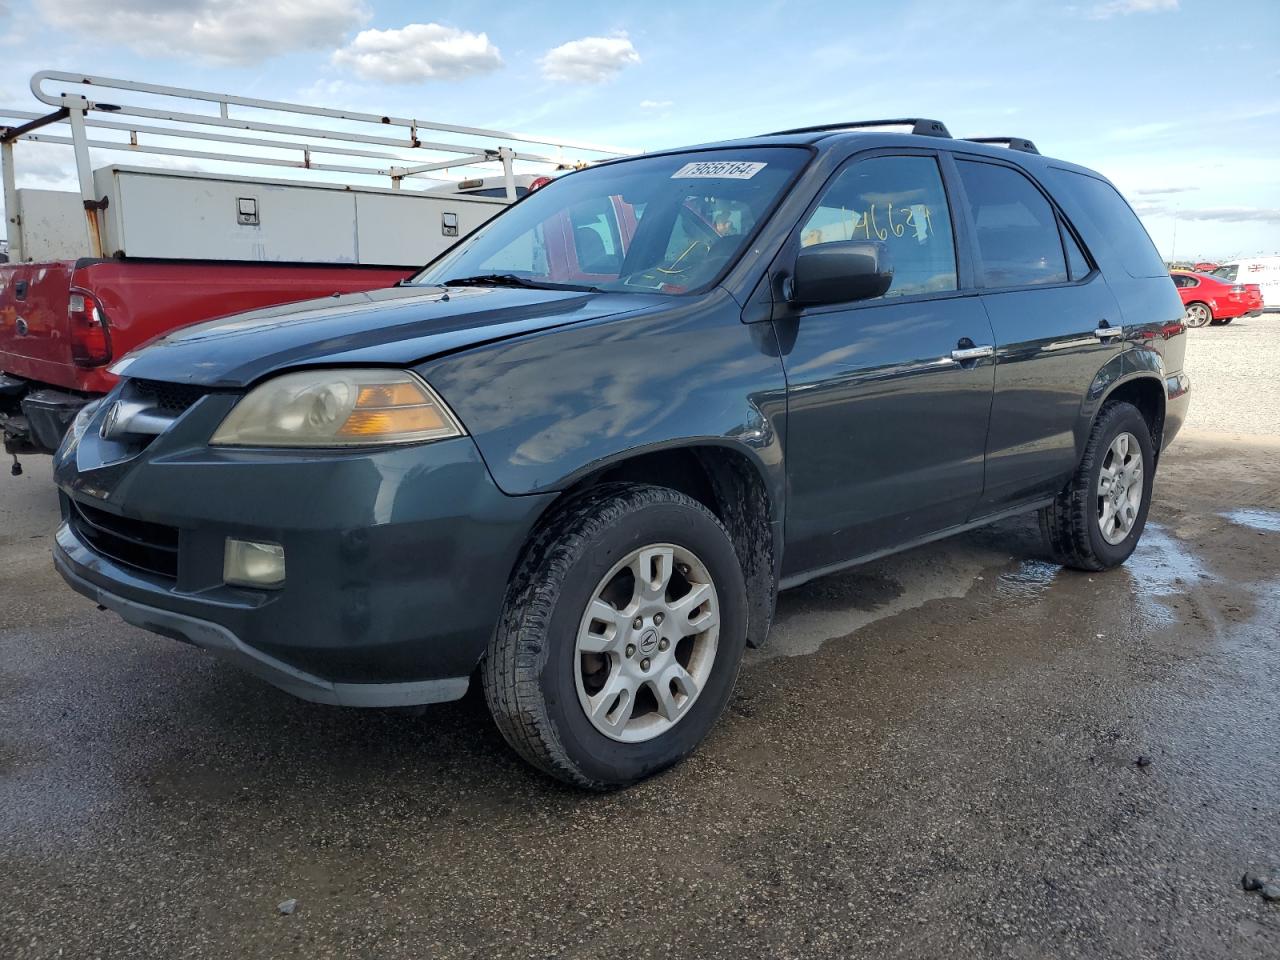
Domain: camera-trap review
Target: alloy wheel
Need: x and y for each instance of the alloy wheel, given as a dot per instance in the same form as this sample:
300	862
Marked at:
1120	488
647	642
1198	315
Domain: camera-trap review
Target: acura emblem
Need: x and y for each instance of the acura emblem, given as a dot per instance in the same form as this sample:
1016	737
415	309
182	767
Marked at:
109	421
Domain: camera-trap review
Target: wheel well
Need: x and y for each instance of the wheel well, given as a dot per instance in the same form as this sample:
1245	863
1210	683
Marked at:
728	484
1148	395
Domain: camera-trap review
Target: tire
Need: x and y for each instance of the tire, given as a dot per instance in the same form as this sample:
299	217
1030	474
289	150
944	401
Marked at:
1198	314
1073	523
536	675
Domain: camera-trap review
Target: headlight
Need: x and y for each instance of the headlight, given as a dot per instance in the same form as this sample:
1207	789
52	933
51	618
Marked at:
338	408
81	423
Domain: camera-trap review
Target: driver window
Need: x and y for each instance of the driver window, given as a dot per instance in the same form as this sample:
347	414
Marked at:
899	201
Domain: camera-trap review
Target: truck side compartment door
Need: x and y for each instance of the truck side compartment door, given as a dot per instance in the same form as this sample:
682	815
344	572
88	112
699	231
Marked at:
888	399
1056	324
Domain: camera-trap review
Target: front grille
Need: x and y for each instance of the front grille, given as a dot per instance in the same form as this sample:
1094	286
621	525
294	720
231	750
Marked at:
173	398
151	547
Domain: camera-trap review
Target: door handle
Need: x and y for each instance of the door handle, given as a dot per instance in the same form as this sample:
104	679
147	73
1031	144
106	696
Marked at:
1105	332
963	354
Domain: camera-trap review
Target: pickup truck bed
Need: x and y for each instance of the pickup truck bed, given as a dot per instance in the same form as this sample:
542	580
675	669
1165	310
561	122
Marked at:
62	323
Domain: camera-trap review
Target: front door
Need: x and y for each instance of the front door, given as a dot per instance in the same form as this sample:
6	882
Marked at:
888	399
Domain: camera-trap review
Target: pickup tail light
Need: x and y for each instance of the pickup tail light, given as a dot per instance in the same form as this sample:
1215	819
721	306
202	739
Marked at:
90	337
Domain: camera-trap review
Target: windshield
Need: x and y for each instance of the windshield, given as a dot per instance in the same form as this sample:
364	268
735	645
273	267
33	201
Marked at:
1227	272
668	224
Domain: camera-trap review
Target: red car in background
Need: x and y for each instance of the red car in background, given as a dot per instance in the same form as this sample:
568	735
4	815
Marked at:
1213	300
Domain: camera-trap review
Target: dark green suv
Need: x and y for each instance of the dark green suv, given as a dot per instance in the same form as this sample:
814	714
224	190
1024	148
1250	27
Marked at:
580	453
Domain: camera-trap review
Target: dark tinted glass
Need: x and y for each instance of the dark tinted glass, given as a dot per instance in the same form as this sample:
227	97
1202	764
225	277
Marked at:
1018	239
1112	218
1077	262
899	201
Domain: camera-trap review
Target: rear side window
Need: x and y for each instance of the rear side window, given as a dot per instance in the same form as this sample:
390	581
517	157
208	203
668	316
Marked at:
1018	238
900	202
1077	262
1112	218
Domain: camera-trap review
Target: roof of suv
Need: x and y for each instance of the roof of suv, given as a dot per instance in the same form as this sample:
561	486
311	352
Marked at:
926	134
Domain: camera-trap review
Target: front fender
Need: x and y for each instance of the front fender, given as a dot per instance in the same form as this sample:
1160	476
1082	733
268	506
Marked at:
552	407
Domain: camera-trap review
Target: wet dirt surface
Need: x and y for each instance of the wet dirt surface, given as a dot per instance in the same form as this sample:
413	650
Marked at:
961	751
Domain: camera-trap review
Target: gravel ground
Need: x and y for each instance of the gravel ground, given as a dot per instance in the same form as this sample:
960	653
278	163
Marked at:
1234	377
960	751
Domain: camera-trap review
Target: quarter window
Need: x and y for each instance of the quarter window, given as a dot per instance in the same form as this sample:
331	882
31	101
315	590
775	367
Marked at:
1098	205
900	202
1018	239
1077	262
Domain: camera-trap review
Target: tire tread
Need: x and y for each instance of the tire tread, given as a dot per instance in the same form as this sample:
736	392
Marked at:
1065	522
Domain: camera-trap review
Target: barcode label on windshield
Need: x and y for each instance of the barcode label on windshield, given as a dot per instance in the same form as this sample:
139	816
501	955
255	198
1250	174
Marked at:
719	169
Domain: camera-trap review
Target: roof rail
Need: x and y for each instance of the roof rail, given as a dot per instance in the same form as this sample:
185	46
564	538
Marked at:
919	126
1013	143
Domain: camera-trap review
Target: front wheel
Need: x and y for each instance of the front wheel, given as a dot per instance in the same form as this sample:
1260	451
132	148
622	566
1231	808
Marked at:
1096	521
1199	315
621	637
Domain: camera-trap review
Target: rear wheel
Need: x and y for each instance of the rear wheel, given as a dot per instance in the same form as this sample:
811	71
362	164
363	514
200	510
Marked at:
1096	521
621	637
1198	314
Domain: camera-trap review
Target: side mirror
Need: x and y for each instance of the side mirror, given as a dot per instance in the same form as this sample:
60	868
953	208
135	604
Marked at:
841	272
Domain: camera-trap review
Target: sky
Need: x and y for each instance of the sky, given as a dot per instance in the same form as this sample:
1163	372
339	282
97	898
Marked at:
1177	101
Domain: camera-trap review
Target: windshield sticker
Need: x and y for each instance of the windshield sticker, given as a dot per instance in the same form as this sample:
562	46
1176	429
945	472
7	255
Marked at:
719	170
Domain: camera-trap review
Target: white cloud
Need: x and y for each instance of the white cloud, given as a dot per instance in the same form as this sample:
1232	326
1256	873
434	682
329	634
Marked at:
1233	214
417	52
589	60
1159	191
1122	8
656	104
219	31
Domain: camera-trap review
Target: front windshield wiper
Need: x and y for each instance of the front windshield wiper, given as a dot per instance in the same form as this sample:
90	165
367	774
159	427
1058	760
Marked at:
514	280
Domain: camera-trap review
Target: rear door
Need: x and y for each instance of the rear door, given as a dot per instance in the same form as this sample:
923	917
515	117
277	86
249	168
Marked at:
1056	325
885	427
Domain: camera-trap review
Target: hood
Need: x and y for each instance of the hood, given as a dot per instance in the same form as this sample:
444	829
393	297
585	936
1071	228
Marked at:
396	326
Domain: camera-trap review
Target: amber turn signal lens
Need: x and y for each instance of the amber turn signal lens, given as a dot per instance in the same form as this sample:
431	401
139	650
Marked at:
392	420
390	395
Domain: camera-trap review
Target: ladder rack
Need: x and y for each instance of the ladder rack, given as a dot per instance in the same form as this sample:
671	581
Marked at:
178	122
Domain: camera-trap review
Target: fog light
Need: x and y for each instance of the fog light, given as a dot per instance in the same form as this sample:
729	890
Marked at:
248	563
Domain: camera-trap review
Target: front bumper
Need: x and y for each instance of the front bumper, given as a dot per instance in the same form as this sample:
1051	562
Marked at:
70	554
397	560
